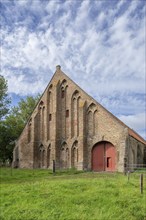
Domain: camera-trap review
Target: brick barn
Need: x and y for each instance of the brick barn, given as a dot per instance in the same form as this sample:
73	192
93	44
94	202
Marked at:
70	127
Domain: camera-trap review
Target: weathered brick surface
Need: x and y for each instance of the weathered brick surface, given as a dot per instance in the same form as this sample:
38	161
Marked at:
65	126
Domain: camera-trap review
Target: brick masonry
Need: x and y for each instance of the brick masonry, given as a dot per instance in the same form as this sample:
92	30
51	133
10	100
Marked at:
65	126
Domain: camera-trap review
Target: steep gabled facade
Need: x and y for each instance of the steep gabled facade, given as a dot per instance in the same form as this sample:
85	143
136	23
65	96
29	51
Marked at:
70	127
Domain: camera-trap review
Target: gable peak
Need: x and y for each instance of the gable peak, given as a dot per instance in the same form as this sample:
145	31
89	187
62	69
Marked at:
58	67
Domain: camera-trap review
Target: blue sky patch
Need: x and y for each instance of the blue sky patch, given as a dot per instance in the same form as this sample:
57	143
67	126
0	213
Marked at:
99	44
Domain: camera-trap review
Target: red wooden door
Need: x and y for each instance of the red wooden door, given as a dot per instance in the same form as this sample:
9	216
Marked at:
103	157
98	157
110	157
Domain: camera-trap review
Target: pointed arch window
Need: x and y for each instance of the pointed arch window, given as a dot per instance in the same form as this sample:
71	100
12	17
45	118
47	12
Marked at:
92	119
64	155
42	156
67	113
75	113
49	156
74	157
62	94
50	117
29	131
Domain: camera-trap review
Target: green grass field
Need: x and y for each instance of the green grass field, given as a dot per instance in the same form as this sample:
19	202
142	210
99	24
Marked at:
71	195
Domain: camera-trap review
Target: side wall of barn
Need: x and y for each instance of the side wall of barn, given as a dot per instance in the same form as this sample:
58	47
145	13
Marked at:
135	153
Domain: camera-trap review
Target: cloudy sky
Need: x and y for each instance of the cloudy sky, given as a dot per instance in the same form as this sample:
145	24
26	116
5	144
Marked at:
100	44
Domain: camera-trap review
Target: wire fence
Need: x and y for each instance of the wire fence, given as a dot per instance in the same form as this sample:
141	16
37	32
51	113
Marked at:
136	168
131	172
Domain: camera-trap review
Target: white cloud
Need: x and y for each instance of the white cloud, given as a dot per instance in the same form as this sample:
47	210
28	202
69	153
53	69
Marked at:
52	7
136	122
90	40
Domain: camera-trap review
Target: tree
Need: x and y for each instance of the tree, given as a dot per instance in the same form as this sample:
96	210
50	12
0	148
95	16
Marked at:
4	99
6	146
4	104
25	107
13	124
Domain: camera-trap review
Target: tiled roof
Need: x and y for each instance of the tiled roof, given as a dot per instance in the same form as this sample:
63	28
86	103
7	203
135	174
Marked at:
136	136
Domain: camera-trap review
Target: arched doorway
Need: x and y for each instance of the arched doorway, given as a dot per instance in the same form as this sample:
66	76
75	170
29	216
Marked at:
103	157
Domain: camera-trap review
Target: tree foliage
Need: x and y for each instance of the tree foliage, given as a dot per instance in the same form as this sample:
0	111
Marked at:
13	124
4	99
24	108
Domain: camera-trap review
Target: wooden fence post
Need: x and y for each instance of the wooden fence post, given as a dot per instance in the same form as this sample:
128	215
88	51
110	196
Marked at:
128	174
53	166
141	183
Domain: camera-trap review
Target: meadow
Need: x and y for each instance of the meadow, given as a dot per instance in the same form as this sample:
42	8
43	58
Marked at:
70	195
